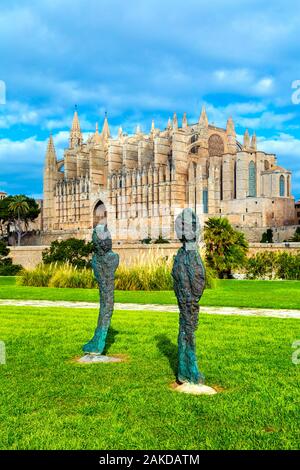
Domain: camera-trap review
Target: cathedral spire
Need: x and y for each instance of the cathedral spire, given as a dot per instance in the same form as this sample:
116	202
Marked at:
254	142
203	120
169	125
231	136
97	135
51	154
75	135
175	122
105	130
246	139
184	121
153	126
120	132
230	129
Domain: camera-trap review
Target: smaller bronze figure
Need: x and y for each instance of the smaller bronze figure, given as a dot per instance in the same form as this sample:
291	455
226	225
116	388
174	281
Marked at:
189	283
104	264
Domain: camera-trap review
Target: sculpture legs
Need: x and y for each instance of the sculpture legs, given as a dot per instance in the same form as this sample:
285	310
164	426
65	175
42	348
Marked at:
187	361
97	343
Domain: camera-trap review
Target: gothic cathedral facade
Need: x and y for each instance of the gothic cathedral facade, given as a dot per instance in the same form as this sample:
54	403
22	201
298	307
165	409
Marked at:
138	184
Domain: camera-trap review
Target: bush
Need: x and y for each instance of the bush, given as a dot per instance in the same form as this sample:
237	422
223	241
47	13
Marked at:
38	277
70	276
296	237
154	275
151	273
7	268
270	265
262	266
72	251
161	241
288	266
267	237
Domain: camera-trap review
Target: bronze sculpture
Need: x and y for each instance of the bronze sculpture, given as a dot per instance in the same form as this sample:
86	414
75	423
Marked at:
104	263
189	283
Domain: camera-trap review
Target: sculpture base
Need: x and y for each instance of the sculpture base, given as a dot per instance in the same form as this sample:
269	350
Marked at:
97	359
194	389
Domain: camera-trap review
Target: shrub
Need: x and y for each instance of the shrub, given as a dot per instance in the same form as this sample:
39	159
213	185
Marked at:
148	273
38	277
73	251
267	237
155	275
270	265
262	266
161	241
7	268
296	237
288	266
70	276
146	241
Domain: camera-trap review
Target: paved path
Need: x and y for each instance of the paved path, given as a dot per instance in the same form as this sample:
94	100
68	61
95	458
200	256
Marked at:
248	312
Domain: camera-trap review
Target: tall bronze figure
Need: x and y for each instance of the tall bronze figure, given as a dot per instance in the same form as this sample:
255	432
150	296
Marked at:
189	283
104	264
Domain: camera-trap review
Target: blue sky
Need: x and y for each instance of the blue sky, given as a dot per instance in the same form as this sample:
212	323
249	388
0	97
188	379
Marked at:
144	59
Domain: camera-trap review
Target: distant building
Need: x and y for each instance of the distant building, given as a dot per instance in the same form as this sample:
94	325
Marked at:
3	195
139	183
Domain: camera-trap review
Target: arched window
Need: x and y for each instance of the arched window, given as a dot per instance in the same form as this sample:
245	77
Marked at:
205	201
281	186
221	182
170	165
252	179
267	165
234	179
288	183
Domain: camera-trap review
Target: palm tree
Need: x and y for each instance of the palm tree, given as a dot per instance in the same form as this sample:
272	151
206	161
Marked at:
226	248
19	208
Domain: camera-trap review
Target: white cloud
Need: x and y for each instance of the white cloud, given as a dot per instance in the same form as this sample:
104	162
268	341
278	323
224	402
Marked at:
243	80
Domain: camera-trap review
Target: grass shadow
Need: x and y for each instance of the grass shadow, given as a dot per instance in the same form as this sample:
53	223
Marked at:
168	349
111	338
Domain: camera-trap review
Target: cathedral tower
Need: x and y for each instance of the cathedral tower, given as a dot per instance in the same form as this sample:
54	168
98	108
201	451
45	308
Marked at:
50	180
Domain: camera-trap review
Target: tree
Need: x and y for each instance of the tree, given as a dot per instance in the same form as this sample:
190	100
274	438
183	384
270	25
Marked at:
18	211
267	237
73	251
226	248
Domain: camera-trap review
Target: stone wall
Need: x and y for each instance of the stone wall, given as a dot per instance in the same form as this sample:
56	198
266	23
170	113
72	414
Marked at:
27	256
289	247
30	256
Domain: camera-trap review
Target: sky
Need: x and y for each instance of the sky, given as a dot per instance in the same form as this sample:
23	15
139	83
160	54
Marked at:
141	60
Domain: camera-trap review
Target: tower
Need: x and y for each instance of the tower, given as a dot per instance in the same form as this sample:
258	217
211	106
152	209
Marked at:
231	136
50	180
254	142
246	140
75	135
105	130
203	132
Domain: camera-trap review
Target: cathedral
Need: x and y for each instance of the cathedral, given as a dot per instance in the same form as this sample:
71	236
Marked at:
138	184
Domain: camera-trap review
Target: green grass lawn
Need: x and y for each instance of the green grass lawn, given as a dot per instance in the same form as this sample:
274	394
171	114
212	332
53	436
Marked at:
49	402
231	293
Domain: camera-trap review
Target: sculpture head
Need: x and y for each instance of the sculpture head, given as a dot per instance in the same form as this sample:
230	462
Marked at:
102	239
187	226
